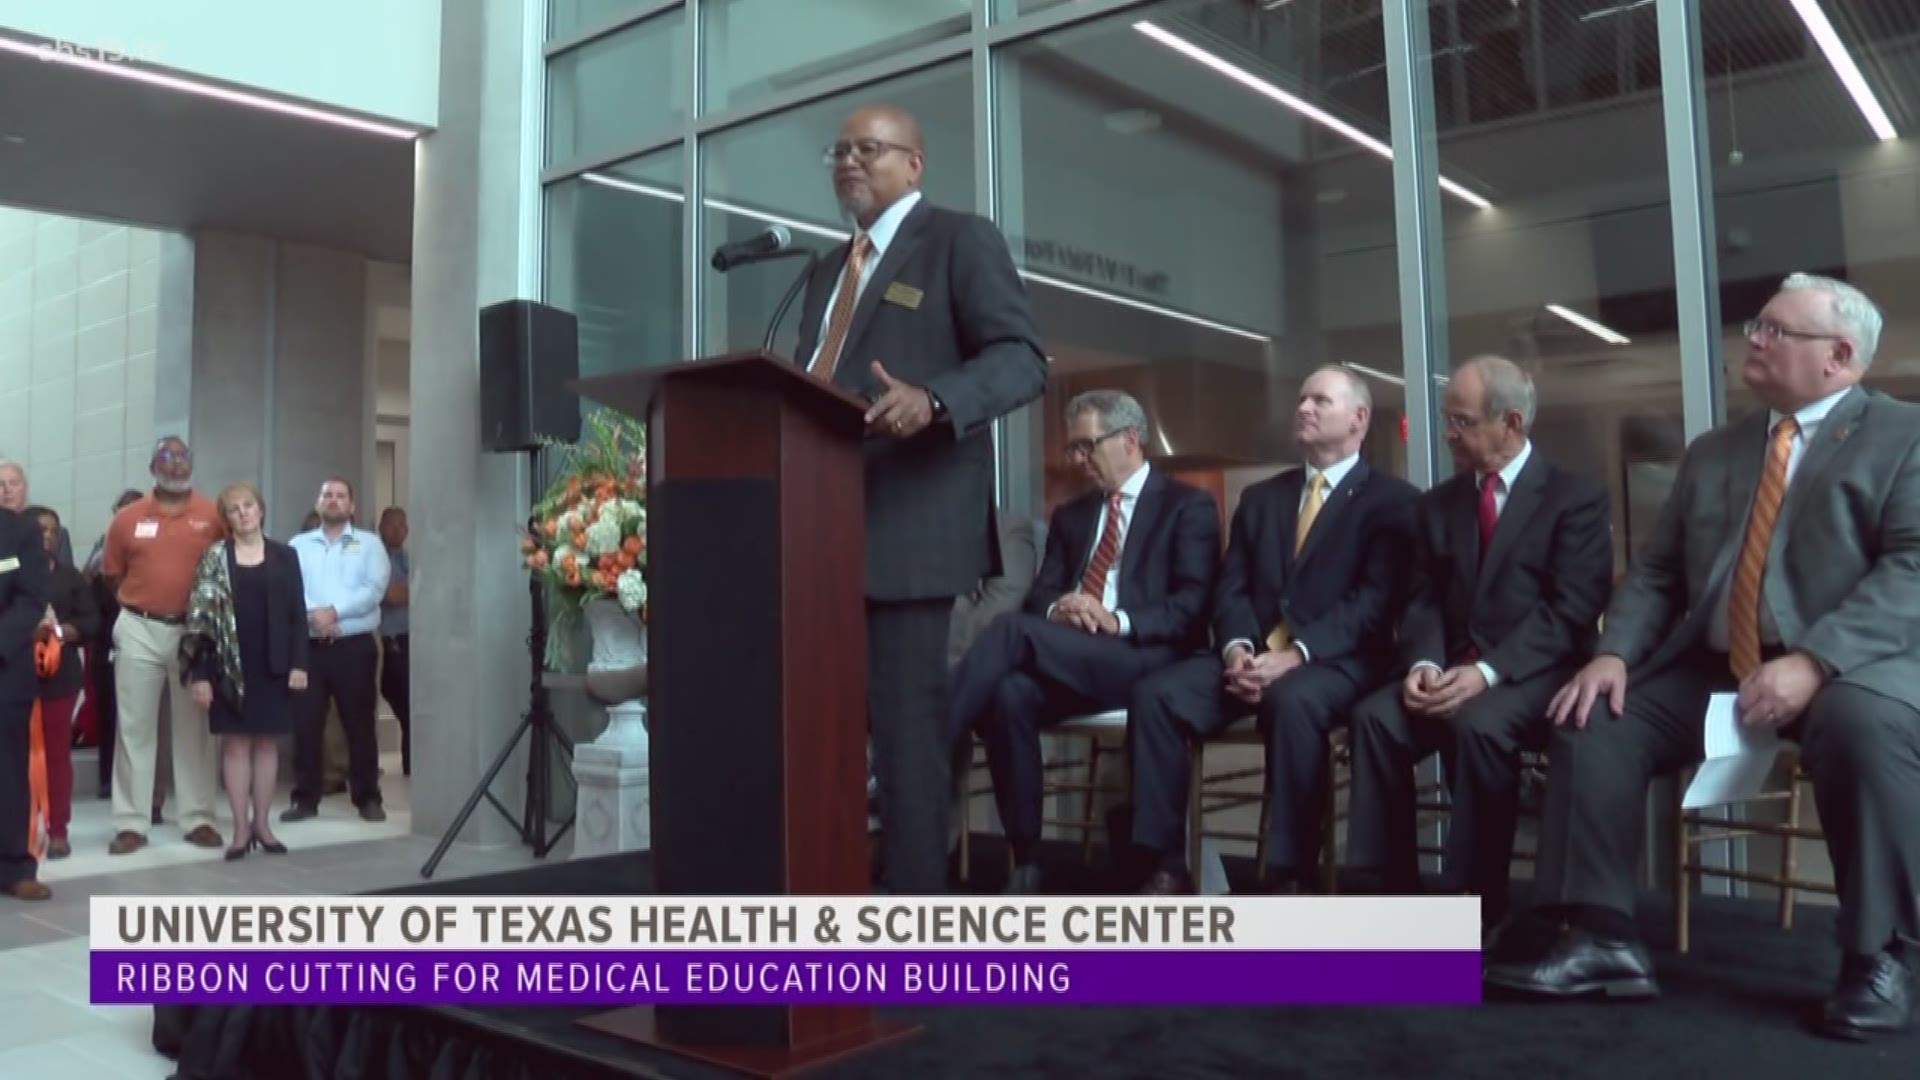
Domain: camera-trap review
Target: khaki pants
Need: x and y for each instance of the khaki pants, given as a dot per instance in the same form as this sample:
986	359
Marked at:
147	663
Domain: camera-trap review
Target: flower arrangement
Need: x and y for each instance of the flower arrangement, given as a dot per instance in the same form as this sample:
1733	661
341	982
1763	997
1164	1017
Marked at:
589	536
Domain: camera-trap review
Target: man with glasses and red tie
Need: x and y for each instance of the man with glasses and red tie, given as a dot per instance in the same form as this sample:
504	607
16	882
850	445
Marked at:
1512	564
922	313
1785	568
1121	593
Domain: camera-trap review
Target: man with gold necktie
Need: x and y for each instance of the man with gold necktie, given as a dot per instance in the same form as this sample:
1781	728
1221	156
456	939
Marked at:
1121	592
1785	566
922	313
1314	576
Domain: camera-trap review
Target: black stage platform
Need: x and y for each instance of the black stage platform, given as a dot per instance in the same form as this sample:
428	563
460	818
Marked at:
1731	1008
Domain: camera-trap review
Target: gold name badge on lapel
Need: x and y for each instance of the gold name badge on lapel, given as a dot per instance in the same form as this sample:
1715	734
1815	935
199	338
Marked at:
905	295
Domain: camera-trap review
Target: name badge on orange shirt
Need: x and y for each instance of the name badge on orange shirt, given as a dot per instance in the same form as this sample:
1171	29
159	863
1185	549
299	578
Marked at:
146	530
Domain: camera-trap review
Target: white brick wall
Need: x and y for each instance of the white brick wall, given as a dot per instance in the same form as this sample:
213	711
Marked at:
79	325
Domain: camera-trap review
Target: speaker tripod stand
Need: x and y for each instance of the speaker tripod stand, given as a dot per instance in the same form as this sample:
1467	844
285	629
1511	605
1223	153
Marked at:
538	721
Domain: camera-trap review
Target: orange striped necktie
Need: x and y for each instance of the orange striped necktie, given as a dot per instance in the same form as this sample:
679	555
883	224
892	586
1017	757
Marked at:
1094	581
842	313
1743	598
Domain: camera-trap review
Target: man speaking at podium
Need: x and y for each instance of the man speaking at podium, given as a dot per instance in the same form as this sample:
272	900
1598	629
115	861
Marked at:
923	314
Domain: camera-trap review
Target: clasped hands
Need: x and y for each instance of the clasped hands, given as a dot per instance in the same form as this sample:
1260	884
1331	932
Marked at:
1772	696
324	622
1078	610
1246	675
1430	692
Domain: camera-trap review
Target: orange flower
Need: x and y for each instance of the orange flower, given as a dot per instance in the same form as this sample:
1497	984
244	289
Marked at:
528	546
570	564
538	560
579	540
551	527
631	546
627	561
573	578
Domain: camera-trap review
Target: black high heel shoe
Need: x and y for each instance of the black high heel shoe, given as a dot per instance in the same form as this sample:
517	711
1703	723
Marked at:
235	854
270	847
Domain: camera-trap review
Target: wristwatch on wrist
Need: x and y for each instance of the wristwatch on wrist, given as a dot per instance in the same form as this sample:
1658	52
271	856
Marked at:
939	407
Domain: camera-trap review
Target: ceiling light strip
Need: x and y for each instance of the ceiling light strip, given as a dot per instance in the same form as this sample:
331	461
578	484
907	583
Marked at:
1292	101
126	70
841	234
1843	66
1610	336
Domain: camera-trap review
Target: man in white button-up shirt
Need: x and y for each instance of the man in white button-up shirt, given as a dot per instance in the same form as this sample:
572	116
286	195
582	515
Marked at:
1513	562
1121	593
1792	542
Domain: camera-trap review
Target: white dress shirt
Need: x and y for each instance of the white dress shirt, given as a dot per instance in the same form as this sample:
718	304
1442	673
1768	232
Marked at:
1129	499
1333	475
1809	417
1502	487
881	235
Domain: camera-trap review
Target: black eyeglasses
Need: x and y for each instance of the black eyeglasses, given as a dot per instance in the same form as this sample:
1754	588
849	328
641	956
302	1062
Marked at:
861	150
1769	332
1083	447
170	455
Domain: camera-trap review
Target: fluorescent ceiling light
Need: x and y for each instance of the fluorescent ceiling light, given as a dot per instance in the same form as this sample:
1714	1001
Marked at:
842	234
126	70
1843	66
1298	104
1376	373
1611	337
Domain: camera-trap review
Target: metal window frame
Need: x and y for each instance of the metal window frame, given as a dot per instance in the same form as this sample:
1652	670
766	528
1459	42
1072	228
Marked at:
1417	223
580	38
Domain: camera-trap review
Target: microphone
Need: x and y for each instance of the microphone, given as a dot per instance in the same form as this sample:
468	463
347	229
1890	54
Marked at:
771	243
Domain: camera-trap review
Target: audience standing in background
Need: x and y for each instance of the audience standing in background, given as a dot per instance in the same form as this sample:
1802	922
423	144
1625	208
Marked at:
13	496
247	639
75	621
395	675
100	690
345	573
153	547
23	622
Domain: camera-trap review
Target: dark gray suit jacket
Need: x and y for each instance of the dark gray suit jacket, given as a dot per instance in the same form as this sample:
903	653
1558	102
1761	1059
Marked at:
1528	606
1020	541
958	324
1843	574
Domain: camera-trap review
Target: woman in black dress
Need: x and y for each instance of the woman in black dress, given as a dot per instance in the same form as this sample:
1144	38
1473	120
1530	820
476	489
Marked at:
244	652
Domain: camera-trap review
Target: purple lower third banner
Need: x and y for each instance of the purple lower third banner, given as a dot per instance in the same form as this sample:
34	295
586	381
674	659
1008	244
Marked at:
722	977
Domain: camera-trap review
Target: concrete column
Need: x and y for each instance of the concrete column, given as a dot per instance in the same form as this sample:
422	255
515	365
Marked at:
471	248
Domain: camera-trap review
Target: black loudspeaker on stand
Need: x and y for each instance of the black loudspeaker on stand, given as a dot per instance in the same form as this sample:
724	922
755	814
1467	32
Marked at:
528	354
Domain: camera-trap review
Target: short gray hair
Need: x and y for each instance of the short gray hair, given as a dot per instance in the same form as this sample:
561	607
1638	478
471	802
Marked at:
1508	387
1116	409
1859	317
9	463
1356	384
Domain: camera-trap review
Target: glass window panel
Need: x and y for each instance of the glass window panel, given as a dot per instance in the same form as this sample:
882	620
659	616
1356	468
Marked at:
1801	181
769	172
1192	240
568	17
618	90
757	48
615	258
1569	270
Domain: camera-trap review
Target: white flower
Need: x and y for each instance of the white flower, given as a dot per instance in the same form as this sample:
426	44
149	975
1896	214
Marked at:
632	589
610	511
563	552
603	538
633	510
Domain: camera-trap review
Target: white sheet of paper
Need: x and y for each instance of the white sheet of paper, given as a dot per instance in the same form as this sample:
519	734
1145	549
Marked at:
1738	760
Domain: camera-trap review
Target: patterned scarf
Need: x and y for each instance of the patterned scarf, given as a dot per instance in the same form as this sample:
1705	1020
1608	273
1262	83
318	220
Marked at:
212	640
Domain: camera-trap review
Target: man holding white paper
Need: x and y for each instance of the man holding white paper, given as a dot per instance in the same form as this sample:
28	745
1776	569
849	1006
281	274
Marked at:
1785	568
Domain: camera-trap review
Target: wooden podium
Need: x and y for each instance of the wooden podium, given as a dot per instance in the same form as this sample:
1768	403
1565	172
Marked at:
757	662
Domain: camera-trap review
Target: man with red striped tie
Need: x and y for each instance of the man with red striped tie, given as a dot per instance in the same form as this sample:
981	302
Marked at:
1121	593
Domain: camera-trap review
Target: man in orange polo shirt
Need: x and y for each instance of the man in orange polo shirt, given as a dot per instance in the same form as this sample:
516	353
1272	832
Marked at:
152	549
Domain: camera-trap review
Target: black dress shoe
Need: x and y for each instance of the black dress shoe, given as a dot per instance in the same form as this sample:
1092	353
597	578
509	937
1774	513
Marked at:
1024	881
1579	963
1169	883
1874	997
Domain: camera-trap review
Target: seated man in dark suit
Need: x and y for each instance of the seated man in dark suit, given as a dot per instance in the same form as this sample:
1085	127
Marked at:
1513	560
1121	592
1314	576
1785	568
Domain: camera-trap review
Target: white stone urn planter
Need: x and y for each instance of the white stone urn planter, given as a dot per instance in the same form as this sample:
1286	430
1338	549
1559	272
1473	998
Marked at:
612	772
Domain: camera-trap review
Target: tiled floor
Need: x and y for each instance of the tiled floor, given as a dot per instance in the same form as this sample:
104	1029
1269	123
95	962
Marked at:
47	1028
